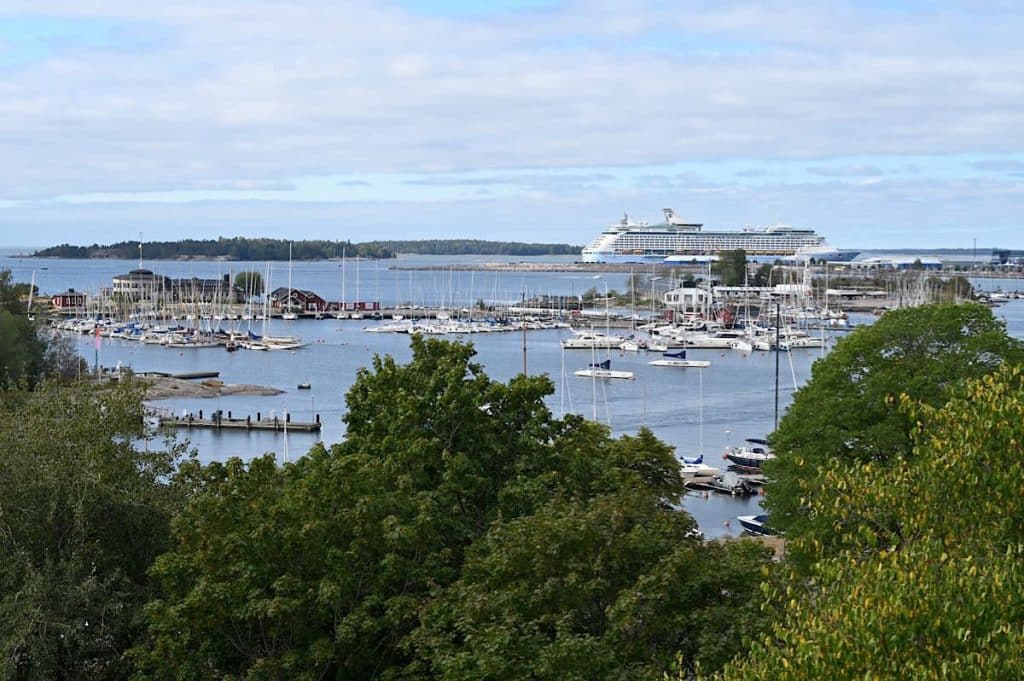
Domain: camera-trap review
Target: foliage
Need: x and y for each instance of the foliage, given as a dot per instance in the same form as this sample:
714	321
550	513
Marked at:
845	414
762	276
22	353
613	586
242	248
83	513
731	267
251	283
13	296
369	560
940	597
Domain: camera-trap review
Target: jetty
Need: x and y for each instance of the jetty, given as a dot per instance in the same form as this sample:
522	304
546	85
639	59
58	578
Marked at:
218	420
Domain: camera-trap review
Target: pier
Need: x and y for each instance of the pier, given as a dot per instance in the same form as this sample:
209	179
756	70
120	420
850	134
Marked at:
217	420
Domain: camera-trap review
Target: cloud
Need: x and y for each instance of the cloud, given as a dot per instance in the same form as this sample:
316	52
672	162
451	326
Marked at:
998	166
547	103
845	171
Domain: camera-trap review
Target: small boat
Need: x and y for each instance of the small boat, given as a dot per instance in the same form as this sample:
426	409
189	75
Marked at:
603	370
304	386
588	340
756	525
677	358
694	467
749	458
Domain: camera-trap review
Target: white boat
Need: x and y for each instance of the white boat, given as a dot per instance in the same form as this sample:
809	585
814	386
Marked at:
740	345
603	370
696	468
589	340
749	458
678	359
756	525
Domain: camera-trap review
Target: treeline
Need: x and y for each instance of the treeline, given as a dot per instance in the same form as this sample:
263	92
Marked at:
241	248
234	248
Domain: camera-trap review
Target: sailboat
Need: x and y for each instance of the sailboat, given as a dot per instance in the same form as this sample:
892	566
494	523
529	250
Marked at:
694	467
602	370
288	313
357	311
677	358
31	295
341	313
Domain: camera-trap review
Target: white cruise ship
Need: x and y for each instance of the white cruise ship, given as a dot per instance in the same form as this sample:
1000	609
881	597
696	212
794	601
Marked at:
677	240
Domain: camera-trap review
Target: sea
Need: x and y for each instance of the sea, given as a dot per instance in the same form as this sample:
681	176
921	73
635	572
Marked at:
697	411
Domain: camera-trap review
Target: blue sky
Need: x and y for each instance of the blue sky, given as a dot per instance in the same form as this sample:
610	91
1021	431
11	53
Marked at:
880	124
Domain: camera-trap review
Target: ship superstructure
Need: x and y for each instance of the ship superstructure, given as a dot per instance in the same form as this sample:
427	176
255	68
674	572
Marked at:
677	239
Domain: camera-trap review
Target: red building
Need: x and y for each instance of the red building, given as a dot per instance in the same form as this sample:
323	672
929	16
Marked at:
69	300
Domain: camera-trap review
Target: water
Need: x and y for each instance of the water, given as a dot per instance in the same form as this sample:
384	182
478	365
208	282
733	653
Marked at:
368	280
695	410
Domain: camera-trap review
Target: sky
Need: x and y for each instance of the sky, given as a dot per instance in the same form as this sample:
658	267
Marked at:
879	124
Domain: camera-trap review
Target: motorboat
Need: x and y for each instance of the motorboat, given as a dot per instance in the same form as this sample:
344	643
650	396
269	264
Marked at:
756	525
589	340
749	457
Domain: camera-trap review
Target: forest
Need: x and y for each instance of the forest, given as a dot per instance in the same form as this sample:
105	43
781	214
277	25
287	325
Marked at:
258	249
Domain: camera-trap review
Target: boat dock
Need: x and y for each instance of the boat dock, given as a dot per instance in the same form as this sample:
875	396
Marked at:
734	484
219	421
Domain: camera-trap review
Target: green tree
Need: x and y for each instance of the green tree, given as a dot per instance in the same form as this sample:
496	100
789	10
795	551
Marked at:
83	513
610	587
942	599
251	283
845	414
731	267
762	276
22	354
328	567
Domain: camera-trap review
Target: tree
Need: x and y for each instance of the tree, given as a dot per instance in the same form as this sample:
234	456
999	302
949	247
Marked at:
845	413
940	598
251	283
731	267
329	567
83	513
763	275
21	352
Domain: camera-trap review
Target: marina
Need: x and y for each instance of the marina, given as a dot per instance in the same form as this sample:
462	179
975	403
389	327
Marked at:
738	386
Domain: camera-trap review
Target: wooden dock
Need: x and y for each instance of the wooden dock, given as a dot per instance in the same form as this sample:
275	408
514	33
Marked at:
734	485
218	421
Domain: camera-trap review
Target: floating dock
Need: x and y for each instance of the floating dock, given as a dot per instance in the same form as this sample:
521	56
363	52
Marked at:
219	421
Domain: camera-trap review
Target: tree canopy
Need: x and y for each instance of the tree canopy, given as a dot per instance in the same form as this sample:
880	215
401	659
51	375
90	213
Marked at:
460	531
83	513
251	283
941	596
731	267
27	351
261	249
846	412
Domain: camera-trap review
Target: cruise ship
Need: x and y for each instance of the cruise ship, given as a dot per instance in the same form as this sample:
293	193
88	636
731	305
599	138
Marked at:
677	240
